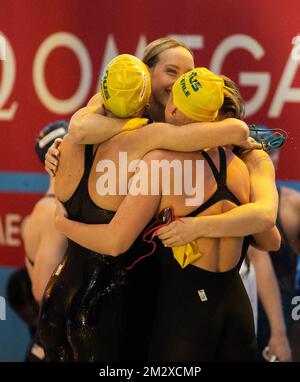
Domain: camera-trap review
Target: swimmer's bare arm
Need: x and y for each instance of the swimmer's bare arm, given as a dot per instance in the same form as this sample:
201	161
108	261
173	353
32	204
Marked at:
116	237
269	240
258	216
89	125
187	138
191	137
269	295
97	128
197	136
91	117
265	196
49	253
294	197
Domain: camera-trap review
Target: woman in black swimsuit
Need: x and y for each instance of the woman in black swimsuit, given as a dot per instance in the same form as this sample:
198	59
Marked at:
75	325
44	246
120	236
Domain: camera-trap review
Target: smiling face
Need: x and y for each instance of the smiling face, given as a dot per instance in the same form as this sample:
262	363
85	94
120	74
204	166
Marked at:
172	64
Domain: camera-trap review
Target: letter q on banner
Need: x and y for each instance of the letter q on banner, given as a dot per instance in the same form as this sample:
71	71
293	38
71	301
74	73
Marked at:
2	48
72	42
7	113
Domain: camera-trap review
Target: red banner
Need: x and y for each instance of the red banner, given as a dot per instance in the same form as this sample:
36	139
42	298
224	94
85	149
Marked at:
14	209
51	54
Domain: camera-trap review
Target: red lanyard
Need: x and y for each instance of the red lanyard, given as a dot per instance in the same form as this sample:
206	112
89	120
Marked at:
166	216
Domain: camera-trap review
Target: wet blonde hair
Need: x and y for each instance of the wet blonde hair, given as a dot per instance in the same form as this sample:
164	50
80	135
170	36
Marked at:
156	47
233	101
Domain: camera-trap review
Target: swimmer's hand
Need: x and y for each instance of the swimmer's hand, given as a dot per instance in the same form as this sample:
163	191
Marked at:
135	123
52	157
279	346
250	144
60	212
179	232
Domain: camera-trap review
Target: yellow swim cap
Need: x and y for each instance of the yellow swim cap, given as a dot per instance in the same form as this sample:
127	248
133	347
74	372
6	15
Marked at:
199	94
125	86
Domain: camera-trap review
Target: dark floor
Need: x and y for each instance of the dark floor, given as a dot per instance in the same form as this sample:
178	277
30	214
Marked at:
295	341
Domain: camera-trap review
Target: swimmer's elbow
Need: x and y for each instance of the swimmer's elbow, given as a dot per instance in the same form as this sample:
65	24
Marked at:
76	132
266	218
118	248
243	130
275	244
240	132
272	244
270	217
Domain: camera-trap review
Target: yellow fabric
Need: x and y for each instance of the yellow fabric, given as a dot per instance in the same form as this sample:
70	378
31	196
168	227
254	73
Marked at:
199	94
186	254
125	86
135	123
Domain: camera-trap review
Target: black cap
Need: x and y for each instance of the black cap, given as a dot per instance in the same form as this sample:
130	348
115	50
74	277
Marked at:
47	136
